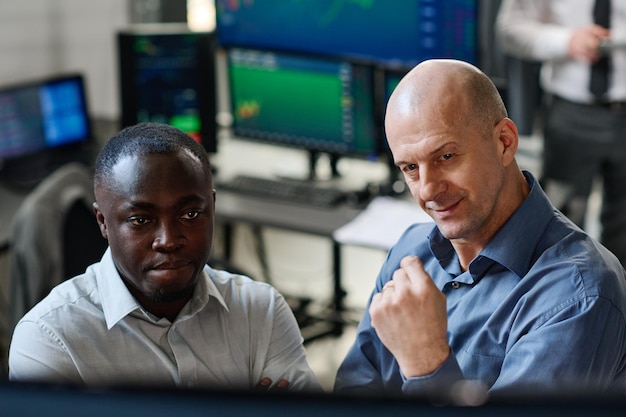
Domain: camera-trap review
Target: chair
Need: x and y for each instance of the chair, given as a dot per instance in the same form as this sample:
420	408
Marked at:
55	237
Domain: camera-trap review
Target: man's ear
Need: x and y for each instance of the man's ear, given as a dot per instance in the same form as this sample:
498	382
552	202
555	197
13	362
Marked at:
508	140
101	221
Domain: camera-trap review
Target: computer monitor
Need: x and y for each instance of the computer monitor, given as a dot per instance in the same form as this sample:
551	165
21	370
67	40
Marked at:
321	105
167	75
402	32
43	123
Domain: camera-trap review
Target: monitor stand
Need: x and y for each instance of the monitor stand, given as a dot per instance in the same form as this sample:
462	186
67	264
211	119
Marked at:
314	158
393	185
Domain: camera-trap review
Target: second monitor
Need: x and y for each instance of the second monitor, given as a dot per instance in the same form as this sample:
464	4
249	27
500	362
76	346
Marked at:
167	75
312	103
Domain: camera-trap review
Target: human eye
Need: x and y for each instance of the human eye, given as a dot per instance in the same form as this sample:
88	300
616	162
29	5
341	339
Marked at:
447	156
138	220
191	214
409	167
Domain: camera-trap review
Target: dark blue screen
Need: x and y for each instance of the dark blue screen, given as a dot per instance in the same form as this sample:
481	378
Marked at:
389	31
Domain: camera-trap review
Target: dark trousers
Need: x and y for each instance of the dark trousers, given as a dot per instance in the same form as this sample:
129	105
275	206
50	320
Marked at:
583	142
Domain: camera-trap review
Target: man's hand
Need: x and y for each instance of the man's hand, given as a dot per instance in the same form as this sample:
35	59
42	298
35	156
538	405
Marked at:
410	318
265	384
585	41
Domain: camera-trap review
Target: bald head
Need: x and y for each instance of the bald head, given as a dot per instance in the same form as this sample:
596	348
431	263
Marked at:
450	90
449	134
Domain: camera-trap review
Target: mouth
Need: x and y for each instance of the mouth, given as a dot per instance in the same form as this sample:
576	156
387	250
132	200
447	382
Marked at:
172	271
170	266
443	212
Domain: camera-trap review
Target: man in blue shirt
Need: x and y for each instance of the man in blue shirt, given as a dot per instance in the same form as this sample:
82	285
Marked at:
503	291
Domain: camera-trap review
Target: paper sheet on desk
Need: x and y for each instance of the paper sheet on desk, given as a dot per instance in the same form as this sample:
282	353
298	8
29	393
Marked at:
381	223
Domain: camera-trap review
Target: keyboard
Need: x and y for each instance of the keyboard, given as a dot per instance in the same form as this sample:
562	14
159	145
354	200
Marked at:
285	190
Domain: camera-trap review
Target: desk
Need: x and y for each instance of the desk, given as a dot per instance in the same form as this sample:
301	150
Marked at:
234	208
239	156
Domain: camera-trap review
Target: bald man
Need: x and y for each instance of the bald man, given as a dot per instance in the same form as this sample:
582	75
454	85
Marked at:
502	291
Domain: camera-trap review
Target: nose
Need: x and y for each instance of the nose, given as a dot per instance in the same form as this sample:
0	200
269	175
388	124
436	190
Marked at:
168	237
431	183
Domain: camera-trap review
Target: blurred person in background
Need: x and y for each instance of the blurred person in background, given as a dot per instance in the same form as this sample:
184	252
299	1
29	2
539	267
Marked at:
581	45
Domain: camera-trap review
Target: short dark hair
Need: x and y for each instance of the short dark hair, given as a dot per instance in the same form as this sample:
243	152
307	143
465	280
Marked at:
146	139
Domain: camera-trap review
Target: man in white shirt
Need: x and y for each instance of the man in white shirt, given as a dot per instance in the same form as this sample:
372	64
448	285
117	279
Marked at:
585	120
151	312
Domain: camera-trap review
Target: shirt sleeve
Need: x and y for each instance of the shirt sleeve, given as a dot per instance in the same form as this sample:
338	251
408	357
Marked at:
559	353
37	354
285	357
578	345
370	369
523	31
361	372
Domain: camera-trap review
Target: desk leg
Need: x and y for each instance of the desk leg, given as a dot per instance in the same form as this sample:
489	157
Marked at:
339	293
257	231
227	245
332	323
225	261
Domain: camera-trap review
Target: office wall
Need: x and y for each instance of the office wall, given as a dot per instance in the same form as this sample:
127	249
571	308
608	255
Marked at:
43	37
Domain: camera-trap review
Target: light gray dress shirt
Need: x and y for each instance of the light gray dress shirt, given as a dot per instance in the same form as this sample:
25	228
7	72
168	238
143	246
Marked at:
91	330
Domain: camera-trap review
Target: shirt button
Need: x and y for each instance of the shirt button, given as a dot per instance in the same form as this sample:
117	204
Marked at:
455	285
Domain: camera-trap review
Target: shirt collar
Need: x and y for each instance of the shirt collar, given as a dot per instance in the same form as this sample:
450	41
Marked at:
513	246
118	302
205	289
515	243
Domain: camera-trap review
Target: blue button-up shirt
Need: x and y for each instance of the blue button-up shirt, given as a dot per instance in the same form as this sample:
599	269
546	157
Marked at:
543	306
